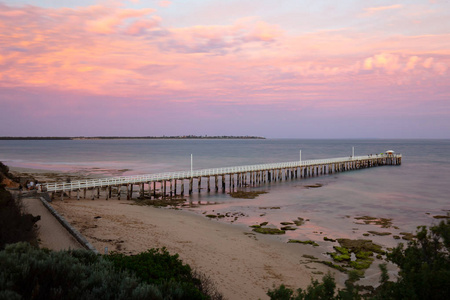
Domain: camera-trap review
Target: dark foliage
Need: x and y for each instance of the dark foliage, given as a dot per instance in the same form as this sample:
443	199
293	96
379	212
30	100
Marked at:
30	273
157	266
27	272
14	225
424	266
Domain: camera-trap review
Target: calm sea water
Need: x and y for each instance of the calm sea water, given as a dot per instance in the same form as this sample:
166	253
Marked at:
410	194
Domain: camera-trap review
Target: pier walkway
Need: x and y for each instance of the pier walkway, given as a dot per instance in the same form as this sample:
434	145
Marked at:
240	176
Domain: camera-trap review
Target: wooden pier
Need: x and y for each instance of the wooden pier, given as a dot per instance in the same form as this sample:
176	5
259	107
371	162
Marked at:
172	184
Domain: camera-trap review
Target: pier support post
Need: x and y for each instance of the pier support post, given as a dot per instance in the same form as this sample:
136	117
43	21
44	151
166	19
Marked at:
182	187
232	181
199	184
216	182
190	185
175	187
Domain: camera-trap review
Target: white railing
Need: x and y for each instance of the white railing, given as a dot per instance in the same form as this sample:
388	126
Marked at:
104	182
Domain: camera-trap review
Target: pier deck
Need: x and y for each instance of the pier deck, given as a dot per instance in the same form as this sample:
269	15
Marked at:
240	176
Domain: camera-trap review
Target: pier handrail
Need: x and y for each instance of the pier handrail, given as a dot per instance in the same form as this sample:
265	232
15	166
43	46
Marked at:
111	181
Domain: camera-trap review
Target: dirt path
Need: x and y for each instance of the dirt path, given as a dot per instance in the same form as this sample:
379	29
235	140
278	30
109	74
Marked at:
51	233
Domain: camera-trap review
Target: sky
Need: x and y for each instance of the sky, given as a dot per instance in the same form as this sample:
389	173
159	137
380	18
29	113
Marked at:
278	69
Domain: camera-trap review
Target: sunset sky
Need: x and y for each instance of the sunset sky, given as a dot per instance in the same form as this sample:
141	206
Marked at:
284	68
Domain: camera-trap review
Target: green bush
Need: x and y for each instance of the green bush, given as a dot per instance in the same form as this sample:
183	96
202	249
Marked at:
31	273
157	266
27	272
424	265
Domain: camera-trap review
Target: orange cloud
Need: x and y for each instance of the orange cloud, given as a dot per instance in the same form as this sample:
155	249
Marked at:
109	23
371	10
412	62
121	52
164	3
387	61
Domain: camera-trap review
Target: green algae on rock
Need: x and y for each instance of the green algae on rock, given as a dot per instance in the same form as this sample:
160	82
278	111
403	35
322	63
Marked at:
328	239
268	230
286	223
246	195
309	256
379	233
383	222
299	221
407	236
308	242
356	246
314	186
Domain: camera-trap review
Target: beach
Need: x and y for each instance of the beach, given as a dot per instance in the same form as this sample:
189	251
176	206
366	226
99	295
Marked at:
244	265
241	263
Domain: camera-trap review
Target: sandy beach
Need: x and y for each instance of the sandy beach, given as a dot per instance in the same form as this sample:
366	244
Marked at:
244	265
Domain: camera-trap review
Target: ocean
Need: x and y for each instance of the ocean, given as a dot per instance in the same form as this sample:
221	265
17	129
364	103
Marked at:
410	194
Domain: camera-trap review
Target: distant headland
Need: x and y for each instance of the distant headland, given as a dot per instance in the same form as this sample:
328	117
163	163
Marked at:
178	137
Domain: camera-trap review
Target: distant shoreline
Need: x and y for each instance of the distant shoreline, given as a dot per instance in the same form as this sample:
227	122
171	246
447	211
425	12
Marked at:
186	137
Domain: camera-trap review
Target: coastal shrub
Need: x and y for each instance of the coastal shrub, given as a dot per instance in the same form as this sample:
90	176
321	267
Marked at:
30	273
27	272
316	290
424	265
424	273
159	267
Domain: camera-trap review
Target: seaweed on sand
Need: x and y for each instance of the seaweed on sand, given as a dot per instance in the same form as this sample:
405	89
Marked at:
246	195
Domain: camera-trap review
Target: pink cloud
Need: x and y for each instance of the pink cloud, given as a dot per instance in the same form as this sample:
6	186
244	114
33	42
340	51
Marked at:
164	3
109	23
371	10
387	61
111	51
